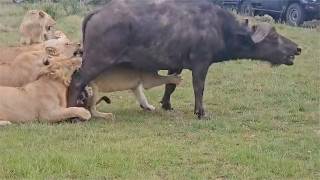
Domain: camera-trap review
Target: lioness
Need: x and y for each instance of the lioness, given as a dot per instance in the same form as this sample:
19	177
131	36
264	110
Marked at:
44	99
35	26
8	54
57	40
26	67
125	78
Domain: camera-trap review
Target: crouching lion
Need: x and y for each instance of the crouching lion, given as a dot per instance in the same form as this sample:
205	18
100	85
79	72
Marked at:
35	27
126	78
45	99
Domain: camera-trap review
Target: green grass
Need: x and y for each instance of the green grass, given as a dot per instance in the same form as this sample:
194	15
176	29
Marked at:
263	124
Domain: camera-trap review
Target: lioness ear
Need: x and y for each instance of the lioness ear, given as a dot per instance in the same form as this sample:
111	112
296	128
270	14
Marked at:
52	51
42	14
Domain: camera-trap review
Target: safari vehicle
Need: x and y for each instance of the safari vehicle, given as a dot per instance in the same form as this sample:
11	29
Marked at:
293	12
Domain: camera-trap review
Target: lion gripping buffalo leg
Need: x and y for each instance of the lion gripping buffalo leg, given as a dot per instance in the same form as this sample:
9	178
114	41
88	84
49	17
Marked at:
95	63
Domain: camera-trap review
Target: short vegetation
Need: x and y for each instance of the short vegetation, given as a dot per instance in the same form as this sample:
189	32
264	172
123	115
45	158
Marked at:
263	122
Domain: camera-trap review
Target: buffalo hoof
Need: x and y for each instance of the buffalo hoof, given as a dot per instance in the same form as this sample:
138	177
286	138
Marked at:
166	106
200	113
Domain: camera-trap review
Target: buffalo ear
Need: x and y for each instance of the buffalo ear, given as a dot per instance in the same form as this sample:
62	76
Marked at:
42	14
52	51
260	32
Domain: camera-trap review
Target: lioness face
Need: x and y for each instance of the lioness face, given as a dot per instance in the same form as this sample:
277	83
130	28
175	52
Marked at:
40	16
61	67
64	47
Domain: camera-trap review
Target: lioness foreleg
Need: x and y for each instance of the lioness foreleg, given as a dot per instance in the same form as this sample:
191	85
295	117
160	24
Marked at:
5	123
66	113
138	92
93	104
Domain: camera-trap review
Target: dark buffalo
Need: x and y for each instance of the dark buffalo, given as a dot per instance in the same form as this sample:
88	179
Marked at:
173	35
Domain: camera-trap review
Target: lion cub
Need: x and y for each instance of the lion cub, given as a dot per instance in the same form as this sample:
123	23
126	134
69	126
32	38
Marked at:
127	78
44	99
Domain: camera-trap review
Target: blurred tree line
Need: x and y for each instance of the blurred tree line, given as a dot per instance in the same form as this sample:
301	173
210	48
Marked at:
59	8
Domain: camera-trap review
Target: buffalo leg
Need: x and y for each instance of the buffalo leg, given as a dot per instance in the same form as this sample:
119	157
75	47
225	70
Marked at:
79	81
166	104
198	80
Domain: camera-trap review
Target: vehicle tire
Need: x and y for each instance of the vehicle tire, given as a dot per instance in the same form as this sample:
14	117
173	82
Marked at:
246	8
295	15
17	1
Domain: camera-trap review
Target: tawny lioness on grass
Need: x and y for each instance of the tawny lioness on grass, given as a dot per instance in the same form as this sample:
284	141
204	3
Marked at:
45	99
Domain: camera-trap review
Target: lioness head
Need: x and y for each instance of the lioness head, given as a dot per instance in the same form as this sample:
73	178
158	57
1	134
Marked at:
37	21
64	47
40	16
61	68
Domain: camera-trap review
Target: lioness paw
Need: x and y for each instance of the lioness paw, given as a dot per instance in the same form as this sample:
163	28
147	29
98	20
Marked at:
5	123
84	114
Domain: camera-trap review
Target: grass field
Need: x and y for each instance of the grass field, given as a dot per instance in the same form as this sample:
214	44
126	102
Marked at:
263	124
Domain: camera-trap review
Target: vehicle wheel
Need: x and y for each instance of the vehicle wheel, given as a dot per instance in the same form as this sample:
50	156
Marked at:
295	15
246	8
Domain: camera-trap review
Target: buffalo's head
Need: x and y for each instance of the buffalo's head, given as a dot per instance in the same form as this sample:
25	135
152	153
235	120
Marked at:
264	43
